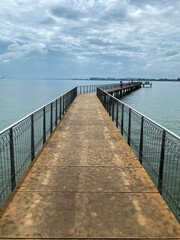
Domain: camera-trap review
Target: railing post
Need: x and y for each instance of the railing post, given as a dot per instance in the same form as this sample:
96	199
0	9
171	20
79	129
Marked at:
13	176
110	107
44	125
117	113
71	97
122	119
161	165
63	105
113	109
56	111
67	101
51	118
107	104
141	140
129	127
32	138
104	100
60	108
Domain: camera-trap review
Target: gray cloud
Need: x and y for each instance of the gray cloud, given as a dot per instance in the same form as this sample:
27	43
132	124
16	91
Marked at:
115	14
48	21
170	53
98	42
67	13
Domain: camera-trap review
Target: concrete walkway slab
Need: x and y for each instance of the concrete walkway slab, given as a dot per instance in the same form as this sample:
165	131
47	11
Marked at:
91	179
87	183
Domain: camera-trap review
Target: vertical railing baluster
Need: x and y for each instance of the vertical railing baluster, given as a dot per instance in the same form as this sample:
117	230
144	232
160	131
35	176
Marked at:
13	176
141	140
60	108
56	112
113	109
129	127
104	99
117	106
51	118
32	138
67	104
63	104
161	165
122	119
44	125
110	106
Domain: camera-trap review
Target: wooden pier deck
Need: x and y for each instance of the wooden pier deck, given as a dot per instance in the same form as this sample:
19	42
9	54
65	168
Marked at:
87	183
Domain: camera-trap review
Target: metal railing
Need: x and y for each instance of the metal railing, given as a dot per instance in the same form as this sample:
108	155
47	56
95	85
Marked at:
157	148
92	88
20	143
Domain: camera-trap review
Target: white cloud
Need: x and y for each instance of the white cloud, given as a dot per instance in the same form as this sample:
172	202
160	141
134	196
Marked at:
137	30
16	51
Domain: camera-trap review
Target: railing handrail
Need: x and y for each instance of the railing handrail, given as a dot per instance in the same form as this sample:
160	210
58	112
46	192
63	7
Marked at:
149	119
109	84
28	115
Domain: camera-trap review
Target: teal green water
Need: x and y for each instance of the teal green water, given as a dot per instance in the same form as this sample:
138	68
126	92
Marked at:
20	97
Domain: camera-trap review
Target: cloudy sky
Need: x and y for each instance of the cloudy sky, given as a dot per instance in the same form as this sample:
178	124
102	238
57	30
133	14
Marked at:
84	38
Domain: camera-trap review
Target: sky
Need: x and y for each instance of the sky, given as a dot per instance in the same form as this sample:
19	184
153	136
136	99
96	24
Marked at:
90	38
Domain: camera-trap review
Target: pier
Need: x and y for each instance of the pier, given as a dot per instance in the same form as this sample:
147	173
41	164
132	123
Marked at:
147	84
85	182
123	89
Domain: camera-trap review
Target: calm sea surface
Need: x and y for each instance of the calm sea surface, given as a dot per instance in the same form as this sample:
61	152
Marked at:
161	103
20	97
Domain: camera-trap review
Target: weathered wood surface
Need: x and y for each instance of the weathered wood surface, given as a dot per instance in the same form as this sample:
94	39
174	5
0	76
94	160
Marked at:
87	183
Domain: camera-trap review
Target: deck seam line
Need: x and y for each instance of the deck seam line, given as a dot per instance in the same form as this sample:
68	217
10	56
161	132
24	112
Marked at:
95	238
87	166
85	192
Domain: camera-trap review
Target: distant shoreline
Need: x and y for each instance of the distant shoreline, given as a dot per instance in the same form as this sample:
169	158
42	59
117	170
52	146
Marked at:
102	79
115	79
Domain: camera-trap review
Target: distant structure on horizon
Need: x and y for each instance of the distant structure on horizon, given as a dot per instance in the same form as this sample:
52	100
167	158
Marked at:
133	79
